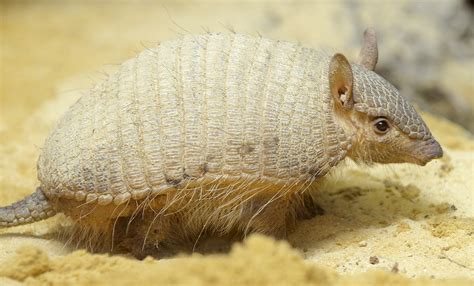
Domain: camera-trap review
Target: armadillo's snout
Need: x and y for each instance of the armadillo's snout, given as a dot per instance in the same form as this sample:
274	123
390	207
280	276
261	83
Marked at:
429	151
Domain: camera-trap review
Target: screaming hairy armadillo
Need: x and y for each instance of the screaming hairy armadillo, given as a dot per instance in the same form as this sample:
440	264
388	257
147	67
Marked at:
219	132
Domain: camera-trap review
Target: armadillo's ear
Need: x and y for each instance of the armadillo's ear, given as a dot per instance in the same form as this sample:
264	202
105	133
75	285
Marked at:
369	53
340	81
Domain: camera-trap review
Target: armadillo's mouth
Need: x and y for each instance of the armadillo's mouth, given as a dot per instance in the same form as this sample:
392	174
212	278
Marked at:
429	151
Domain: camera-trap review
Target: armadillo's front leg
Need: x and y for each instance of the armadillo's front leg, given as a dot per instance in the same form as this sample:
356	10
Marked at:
267	216
305	207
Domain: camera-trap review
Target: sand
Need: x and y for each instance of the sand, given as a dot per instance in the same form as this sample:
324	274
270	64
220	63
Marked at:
397	224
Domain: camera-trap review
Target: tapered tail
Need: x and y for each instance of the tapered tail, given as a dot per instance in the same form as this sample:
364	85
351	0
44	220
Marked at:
33	208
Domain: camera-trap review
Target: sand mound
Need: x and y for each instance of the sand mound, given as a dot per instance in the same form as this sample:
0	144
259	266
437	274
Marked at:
259	261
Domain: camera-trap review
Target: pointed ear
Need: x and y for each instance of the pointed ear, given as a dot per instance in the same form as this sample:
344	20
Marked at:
369	53
340	81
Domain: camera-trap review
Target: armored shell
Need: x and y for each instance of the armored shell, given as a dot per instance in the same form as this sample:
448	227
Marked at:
202	106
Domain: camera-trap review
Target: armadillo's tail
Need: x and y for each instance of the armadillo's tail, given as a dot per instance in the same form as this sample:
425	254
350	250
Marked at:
34	207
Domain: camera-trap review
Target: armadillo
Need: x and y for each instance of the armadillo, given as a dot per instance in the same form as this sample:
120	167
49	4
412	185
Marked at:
220	132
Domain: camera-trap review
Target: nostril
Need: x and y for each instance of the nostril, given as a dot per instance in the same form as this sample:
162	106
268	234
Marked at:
429	150
437	150
433	150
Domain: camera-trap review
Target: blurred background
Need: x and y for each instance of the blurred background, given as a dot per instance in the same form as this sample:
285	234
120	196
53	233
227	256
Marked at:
426	48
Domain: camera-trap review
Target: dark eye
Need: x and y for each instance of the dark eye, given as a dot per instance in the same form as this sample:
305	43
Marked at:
381	125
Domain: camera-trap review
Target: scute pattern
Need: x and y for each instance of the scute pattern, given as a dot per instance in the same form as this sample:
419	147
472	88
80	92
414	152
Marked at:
377	97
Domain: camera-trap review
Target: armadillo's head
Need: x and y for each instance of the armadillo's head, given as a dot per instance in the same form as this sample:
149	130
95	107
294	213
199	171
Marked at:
386	128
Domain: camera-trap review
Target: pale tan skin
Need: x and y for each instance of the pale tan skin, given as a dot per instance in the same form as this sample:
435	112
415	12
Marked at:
217	134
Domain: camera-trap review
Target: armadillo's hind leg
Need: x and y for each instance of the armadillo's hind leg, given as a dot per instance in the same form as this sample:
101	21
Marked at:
35	207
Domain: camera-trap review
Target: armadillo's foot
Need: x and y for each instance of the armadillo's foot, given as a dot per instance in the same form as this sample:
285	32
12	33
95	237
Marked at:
143	236
307	208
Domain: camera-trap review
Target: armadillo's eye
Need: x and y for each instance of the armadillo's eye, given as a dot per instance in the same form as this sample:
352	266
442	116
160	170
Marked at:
381	125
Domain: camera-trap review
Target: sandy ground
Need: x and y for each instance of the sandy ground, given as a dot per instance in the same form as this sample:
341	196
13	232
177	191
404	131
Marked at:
397	224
